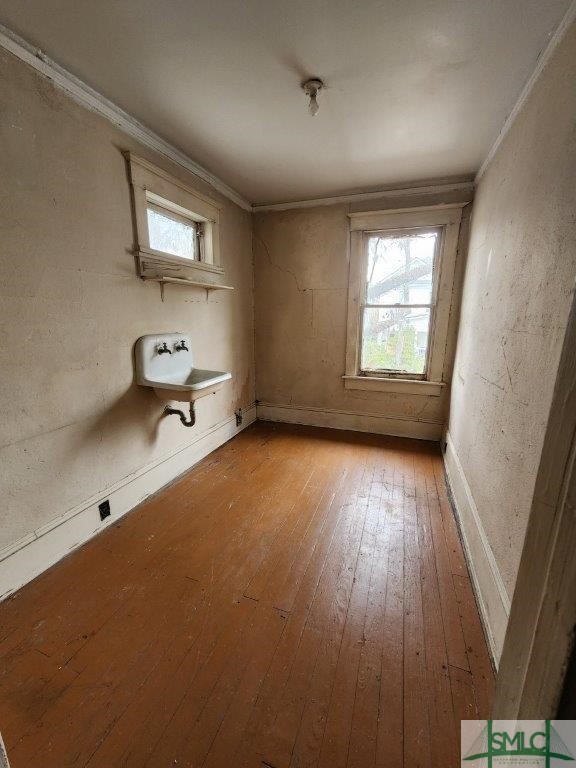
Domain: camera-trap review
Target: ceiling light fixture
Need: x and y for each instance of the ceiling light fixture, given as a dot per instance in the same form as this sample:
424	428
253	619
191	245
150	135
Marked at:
312	88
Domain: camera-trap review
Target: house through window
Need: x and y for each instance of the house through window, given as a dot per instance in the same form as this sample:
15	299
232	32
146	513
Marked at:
398	301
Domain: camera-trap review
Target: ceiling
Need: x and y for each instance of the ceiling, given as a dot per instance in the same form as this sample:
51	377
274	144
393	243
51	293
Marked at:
417	89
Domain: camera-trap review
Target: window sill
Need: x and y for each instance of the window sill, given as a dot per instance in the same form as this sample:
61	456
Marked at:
399	386
149	255
191	283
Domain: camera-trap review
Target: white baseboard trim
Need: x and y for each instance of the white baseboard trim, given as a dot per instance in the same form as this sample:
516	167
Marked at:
31	556
491	593
358	422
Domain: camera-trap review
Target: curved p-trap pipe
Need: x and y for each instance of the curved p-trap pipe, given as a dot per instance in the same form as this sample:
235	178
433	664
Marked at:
174	411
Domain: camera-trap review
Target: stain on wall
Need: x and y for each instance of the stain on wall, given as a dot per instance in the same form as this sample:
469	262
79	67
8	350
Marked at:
519	278
72	422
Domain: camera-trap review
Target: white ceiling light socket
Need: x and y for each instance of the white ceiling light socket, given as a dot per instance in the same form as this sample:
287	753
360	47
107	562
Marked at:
312	88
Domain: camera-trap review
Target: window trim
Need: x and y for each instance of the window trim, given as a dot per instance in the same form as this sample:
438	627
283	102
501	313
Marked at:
153	185
443	217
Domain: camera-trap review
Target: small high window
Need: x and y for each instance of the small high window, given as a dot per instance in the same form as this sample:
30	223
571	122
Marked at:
177	228
173	233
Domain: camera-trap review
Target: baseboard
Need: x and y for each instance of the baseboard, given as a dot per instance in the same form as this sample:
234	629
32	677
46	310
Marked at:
29	557
358	422
491	593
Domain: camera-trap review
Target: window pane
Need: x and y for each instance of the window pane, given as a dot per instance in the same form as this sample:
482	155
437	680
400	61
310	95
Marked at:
400	268
171	234
395	339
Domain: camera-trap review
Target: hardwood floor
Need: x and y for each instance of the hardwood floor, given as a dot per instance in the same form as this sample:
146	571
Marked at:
299	598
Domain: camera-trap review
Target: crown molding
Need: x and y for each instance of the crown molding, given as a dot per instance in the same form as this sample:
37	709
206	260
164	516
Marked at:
543	60
86	96
96	102
91	99
461	184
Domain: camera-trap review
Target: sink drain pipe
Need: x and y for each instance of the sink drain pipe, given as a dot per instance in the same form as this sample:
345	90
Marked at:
187	422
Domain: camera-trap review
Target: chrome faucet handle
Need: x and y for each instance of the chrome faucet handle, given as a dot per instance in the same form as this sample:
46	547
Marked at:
181	346
163	349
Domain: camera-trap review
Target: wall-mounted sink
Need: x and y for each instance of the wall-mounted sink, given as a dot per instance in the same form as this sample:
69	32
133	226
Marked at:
164	362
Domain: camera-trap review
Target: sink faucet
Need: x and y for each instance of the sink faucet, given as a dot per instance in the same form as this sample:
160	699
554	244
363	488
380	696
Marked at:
181	346
163	349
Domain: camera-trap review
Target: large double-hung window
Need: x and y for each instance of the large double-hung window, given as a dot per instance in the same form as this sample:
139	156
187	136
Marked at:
398	303
399	298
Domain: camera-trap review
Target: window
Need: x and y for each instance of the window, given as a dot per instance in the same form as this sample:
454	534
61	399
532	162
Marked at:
177	227
399	297
398	301
172	233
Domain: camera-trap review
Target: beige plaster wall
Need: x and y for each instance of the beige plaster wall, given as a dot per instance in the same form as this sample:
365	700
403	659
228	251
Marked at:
71	420
301	280
520	273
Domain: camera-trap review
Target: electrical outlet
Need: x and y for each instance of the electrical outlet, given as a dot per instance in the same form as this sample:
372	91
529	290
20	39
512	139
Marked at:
238	415
104	509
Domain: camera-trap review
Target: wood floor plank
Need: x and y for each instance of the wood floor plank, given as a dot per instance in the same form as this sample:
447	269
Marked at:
194	657
362	747
417	748
464	700
436	686
307	562
195	727
307	746
284	689
455	644
299	598
108	678
274	568
453	541
390	734
231	729
327	615
480	664
336	740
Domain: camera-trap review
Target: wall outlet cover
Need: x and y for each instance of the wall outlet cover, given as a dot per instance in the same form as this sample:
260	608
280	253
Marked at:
104	509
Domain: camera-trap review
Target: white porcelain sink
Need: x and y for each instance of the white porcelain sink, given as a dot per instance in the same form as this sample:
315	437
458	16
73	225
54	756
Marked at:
163	363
